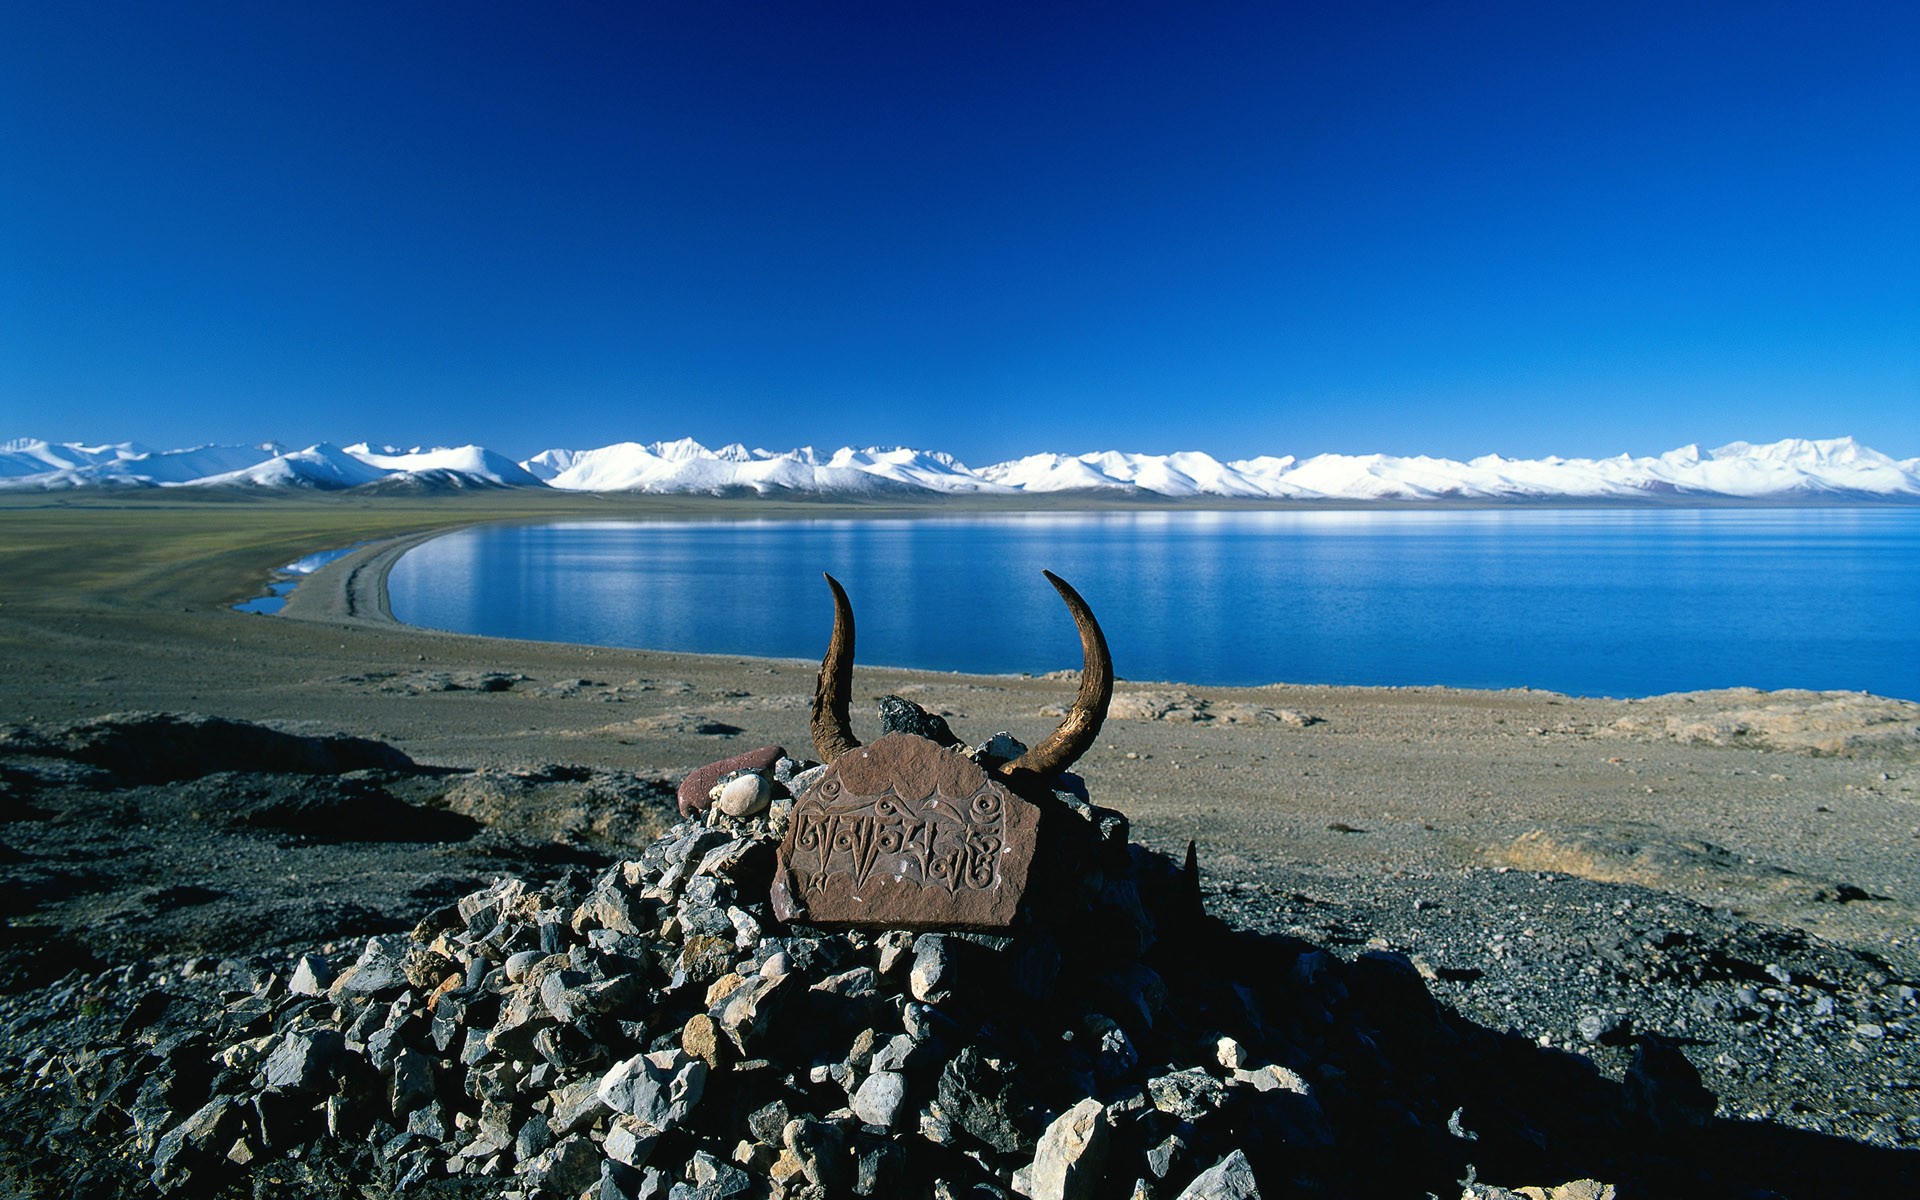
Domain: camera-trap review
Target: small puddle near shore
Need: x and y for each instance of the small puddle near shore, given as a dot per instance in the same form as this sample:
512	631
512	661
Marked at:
289	577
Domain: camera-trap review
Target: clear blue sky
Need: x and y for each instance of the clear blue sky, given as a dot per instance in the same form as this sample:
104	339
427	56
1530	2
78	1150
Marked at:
1358	225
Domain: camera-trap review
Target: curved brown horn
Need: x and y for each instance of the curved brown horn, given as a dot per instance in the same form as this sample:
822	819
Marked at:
1082	724
832	728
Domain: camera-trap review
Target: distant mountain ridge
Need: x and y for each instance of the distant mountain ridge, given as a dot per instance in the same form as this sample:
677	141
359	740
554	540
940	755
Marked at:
1793	469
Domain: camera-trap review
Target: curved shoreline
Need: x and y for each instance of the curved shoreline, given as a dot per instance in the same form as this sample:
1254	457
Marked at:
353	589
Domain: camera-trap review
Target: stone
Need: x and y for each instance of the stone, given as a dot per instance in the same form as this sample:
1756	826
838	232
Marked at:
1188	1095
931	978
207	1126
303	1061
703	959
382	967
898	1054
1070	1157
1170	1153
819	1148
659	1088
694	789
747	1012
903	834
743	795
700	1038
311	975
1230	1054
574	1106
881	1099
410	1083
1001	747
629	1140
979	1095
1229	1179
900	715
567	1168
1114	1053
1605	1029
713	1179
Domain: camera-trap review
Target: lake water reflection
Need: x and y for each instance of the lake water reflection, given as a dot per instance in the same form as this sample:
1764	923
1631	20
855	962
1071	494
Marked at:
1623	602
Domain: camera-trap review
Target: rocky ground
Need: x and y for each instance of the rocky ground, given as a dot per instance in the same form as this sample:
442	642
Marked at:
563	1018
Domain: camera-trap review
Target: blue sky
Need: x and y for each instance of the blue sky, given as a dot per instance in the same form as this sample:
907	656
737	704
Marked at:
1451	228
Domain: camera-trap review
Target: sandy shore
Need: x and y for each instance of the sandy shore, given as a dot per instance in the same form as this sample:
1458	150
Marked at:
1794	808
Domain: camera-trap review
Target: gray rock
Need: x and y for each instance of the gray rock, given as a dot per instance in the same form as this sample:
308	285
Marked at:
1001	747
900	715
1168	1155
382	967
212	1124
1604	1029
303	1060
311	976
659	1088
409	1083
1229	1179
574	1106
712	1179
629	1140
534	1137
746	1015
895	946
802	780
1189	1095
898	1054
519	963
859	983
567	1168
931	978
980	1096
881	1099
820	1147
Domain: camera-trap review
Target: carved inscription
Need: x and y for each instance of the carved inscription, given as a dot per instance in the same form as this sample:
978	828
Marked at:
904	834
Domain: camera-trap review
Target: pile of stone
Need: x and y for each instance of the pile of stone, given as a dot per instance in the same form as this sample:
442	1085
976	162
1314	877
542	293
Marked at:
658	1031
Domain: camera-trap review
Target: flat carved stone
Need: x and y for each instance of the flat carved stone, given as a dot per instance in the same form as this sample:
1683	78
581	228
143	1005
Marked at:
904	834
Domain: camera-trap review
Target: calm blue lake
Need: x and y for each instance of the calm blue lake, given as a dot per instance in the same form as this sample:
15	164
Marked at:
1613	602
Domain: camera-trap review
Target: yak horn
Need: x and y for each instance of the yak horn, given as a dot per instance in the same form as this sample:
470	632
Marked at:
1082	724
832	727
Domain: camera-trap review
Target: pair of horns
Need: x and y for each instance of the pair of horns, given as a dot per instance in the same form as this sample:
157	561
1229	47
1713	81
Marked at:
833	729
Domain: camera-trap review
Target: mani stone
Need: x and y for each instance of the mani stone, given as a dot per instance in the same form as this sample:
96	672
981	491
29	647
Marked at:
693	790
903	834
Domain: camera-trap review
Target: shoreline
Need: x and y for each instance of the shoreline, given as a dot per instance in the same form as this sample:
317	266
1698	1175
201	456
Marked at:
1769	804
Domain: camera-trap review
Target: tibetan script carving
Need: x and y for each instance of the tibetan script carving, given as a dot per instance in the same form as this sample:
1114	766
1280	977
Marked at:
904	834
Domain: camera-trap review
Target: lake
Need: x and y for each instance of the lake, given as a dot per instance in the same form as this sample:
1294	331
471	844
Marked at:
1612	602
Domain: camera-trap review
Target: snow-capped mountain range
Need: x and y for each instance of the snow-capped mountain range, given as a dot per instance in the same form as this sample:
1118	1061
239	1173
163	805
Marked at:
1795	469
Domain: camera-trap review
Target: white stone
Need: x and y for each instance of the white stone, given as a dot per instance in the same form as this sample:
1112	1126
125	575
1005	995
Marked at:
743	795
310	976
1231	1054
1071	1156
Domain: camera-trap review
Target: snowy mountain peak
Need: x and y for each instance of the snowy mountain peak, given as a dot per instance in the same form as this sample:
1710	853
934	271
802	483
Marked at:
1794	469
